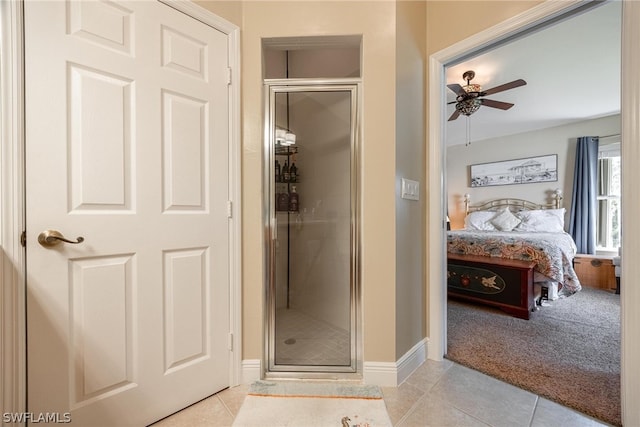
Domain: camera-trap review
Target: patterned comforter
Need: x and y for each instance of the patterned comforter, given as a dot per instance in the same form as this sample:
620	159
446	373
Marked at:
552	252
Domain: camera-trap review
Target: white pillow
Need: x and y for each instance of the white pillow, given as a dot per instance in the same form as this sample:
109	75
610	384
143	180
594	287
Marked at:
546	220
480	220
505	220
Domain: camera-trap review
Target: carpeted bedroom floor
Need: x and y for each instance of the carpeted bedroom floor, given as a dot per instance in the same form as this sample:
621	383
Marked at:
568	352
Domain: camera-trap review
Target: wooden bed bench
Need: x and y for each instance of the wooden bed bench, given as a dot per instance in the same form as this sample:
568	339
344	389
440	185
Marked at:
503	283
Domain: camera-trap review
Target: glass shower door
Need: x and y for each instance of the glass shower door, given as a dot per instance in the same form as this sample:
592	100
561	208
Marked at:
312	292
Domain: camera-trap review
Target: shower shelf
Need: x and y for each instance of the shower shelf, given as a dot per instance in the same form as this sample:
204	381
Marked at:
286	151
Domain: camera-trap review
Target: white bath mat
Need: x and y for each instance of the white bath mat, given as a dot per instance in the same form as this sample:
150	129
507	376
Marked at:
274	404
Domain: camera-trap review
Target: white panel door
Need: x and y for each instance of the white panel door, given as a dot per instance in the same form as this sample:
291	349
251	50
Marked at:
127	117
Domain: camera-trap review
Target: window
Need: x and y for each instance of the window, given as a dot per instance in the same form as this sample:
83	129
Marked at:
608	211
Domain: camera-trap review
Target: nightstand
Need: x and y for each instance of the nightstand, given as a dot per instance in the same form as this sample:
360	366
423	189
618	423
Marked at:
595	271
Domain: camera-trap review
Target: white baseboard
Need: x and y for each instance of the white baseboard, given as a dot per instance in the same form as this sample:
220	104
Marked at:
251	370
412	360
390	374
384	374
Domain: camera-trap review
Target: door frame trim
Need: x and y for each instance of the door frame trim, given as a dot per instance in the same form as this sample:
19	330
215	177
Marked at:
436	179
13	355
13	372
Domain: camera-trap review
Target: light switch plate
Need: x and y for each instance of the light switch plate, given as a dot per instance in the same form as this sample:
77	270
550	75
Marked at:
410	189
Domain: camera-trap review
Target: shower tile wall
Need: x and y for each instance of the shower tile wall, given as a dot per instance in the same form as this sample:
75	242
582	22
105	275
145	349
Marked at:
320	242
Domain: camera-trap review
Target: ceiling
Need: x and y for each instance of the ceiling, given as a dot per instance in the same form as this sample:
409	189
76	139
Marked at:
572	70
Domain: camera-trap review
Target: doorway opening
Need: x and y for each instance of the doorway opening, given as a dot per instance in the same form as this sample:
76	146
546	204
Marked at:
450	58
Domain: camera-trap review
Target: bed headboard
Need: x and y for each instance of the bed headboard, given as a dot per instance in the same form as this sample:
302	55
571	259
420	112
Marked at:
512	204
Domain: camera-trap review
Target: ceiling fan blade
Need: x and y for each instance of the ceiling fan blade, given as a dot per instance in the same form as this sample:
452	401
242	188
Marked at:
457	89
454	115
506	86
496	104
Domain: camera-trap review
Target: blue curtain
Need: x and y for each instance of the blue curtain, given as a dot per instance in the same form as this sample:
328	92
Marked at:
582	224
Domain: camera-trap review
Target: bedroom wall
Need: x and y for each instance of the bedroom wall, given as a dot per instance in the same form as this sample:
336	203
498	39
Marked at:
560	140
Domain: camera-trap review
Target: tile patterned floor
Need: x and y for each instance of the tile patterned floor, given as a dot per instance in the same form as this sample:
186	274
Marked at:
438	394
304	340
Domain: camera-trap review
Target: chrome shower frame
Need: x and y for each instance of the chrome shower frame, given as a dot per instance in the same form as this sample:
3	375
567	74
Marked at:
270	368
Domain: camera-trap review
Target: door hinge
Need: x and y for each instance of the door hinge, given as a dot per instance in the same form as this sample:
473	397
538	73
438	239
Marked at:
230	342
23	239
229	209
229	75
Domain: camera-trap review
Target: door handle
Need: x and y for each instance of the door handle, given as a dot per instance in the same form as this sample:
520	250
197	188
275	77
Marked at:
51	238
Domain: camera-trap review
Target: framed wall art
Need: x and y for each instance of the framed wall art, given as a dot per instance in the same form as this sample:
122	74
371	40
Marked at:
517	171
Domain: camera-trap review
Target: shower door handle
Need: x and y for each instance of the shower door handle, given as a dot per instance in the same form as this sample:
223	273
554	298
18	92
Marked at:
274	229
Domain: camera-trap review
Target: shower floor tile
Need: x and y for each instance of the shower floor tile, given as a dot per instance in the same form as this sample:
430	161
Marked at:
304	340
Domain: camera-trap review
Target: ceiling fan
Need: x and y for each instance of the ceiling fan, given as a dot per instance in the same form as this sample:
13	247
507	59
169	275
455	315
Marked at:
470	98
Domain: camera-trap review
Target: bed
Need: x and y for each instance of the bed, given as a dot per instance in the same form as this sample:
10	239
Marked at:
515	229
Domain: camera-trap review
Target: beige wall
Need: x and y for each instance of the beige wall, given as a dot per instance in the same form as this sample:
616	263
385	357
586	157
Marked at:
376	22
229	10
410	139
386	239
560	140
451	21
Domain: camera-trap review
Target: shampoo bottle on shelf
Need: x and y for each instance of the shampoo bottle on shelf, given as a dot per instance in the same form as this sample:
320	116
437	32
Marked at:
282	203
294	200
285	172
277	174
293	173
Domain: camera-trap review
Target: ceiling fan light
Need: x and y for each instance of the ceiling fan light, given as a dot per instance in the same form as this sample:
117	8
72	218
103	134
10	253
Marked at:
472	87
469	106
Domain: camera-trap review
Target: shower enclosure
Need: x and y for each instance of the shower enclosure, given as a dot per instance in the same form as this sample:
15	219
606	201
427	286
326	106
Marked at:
311	226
